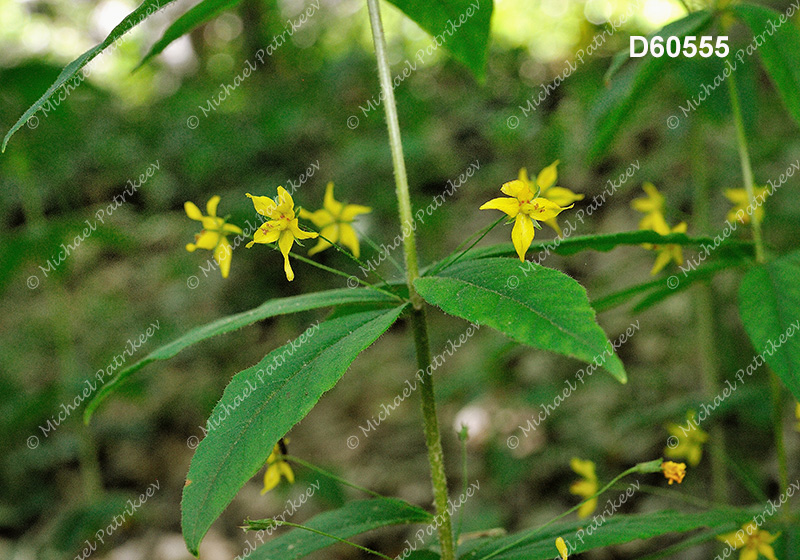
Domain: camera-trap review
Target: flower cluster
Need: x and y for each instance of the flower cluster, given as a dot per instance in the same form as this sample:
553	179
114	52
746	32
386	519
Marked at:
652	206
527	205
281	226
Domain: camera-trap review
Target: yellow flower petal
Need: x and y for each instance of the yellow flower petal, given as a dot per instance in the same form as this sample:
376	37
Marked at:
523	176
522	235
547	176
331	233
585	468
349	239
561	196
517	189
508	205
267	233
319	218
584	488
331	204
586	509
193	211
271	478
285	242
207	239
350	212
561	546
264	205
298	233
662	260
284	198
286	471
223	254
541	209
211	205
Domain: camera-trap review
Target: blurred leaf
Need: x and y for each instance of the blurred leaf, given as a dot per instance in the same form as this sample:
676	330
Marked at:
256	410
662	288
769	304
549	310
619	105
540	544
137	16
224	325
608	241
466	36
780	52
197	15
354	518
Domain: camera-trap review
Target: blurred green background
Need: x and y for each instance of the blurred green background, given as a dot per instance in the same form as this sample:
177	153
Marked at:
291	113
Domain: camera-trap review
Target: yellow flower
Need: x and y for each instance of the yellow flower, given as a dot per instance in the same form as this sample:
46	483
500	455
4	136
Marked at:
755	542
651	206
741	201
690	443
666	253
797	415
281	227
561	546
334	221
674	472
276	467
527	209
586	487
546	181
213	234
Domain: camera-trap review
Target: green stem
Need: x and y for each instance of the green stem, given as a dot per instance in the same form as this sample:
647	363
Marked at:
450	260
433	438
398	162
352	257
747	170
747	173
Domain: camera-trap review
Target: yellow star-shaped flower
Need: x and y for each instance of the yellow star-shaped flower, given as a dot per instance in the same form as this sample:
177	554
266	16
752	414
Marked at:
276	467
666	253
652	206
334	221
546	181
741	201
674	472
585	488
282	225
690	443
755	542
213	234
526	209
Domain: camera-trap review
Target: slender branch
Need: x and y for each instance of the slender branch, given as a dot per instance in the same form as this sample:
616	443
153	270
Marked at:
343	274
450	261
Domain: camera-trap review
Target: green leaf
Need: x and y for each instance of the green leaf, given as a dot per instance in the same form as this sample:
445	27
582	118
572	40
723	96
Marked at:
197	15
769	304
271	308
617	529
618	104
137	16
261	404
534	305
779	50
354	518
462	25
664	287
609	241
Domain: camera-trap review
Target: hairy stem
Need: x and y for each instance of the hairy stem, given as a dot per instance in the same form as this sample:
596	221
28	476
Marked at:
433	438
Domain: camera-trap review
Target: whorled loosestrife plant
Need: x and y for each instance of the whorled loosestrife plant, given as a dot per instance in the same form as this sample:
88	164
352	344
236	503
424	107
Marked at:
548	310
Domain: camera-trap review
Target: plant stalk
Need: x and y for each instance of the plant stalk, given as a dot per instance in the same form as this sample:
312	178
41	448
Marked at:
747	173
433	439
